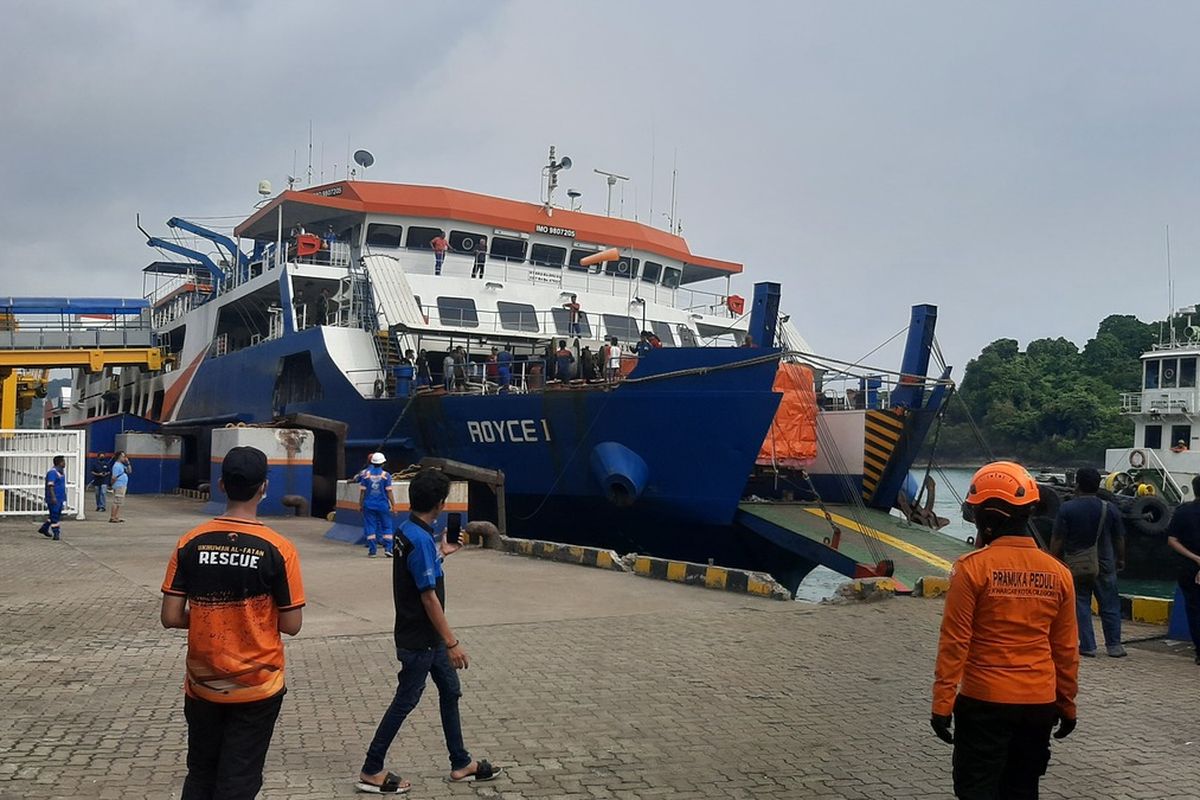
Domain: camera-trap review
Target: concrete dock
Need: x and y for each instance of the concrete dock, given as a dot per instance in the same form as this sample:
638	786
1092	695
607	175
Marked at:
584	683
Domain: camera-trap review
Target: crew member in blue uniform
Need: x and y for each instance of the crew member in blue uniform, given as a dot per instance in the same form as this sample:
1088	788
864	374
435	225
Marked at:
375	498
56	498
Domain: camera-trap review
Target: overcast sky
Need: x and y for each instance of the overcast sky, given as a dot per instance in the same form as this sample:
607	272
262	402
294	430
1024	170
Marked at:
1015	164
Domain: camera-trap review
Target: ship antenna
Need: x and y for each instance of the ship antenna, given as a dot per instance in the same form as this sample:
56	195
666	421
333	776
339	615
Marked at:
550	173
1170	292
309	178
611	178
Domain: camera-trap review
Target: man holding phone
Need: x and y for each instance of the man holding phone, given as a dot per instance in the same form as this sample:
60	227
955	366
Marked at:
425	644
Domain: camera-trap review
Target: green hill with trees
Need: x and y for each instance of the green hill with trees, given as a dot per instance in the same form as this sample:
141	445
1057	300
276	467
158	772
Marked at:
1051	404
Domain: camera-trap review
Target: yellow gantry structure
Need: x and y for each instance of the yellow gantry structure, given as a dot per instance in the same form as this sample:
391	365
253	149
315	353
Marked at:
88	359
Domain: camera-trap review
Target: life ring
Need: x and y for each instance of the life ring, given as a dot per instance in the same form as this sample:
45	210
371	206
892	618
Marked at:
1137	459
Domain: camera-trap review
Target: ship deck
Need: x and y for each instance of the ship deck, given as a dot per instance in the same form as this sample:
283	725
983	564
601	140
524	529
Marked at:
867	536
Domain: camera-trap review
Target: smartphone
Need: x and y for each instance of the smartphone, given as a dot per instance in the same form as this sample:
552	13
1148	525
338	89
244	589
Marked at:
454	527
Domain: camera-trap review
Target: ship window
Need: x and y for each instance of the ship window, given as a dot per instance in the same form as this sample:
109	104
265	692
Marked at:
458	312
687	337
562	323
622	327
1181	433
517	316
663	331
1187	373
465	241
1153	437
671	276
623	267
1170	368
577	255
507	249
419	238
651	271
547	255
380	235
1151	381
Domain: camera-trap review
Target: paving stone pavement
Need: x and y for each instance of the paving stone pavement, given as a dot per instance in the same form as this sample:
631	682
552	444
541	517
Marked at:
584	683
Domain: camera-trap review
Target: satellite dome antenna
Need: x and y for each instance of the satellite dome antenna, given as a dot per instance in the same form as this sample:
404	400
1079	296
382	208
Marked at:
574	194
364	159
264	188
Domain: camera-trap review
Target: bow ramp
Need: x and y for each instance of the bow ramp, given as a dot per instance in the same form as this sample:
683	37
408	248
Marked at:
854	541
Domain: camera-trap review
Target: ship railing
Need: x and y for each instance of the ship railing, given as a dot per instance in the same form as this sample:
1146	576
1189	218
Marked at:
1131	402
550	324
1155	462
528	376
581	280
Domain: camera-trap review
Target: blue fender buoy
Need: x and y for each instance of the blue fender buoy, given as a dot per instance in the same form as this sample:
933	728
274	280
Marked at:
621	472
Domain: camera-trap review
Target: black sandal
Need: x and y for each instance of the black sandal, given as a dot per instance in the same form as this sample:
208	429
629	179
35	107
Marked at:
484	771
391	785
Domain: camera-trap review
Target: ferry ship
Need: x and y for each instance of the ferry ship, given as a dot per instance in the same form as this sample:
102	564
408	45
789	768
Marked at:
307	313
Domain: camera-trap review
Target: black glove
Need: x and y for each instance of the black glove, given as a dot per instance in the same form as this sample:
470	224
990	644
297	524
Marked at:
1065	726
941	726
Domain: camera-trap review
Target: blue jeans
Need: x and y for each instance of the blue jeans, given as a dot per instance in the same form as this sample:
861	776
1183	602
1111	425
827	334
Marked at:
100	491
415	667
1104	587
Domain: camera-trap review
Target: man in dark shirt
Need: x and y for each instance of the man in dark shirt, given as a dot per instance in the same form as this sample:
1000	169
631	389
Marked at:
425	644
1183	536
480	258
1075	529
101	475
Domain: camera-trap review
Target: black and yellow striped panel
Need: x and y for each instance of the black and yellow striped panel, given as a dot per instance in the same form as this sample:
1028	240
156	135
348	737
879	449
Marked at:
883	431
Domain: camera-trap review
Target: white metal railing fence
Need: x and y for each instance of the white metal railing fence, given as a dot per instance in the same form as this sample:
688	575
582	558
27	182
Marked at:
25	458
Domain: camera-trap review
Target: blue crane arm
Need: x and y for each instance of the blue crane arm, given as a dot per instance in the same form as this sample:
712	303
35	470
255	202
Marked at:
915	364
202	260
235	254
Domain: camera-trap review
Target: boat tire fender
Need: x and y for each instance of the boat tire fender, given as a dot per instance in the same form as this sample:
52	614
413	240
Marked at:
1150	515
1048	501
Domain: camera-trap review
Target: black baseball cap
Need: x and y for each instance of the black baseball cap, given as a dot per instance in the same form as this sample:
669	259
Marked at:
244	466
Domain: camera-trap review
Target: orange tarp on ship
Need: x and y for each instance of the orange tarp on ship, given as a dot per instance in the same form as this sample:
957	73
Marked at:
792	440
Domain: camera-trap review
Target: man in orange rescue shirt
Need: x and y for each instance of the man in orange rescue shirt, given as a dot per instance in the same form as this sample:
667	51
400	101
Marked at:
1008	655
234	584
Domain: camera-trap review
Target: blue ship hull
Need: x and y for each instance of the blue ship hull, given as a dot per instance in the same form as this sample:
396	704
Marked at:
694	417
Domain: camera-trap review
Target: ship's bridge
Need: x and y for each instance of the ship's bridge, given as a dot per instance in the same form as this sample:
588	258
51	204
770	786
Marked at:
1164	408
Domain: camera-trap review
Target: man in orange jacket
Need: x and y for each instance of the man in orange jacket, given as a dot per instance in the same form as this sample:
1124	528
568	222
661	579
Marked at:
1007	656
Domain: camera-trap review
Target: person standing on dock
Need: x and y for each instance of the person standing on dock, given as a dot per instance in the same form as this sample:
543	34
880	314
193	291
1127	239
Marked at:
120	484
1007	664
101	474
1090	539
425	644
375	502
1183	536
234	585
56	498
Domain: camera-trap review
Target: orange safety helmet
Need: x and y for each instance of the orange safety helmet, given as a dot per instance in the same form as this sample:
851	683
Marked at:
1005	481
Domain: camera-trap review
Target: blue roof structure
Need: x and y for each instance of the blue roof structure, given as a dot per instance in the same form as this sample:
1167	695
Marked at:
73	305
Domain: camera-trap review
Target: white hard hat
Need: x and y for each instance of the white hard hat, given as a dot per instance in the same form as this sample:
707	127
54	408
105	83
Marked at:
378	458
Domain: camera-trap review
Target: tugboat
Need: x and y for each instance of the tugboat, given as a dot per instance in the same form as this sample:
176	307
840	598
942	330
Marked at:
608	371
1150	478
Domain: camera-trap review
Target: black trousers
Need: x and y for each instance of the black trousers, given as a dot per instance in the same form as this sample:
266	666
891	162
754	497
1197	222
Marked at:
1001	750
1191	601
227	746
